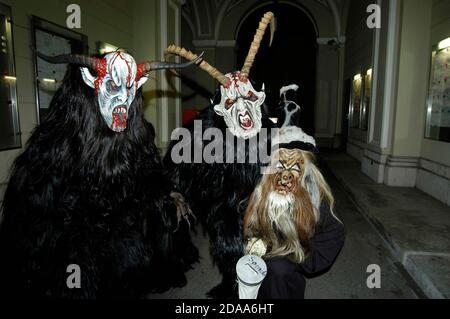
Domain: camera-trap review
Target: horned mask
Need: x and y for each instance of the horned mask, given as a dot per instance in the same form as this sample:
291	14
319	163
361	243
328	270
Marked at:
240	103
116	80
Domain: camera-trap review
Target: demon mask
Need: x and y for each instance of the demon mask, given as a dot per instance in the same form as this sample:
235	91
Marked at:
285	206
240	106
289	167
281	212
116	81
240	103
116	84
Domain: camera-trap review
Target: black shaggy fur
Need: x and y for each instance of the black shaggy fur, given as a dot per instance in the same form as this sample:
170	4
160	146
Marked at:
83	194
219	194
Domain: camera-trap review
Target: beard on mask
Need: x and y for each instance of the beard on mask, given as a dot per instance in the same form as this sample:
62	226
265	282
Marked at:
279	205
285	222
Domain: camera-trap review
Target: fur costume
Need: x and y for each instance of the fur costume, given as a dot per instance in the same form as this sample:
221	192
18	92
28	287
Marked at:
290	220
219	192
90	190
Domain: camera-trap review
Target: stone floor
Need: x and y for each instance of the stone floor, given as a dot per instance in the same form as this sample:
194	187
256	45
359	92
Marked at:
346	280
414	226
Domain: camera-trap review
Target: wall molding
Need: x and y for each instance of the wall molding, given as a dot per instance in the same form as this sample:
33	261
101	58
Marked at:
422	163
376	157
429	176
390	170
401	171
214	43
403	161
435	168
433	184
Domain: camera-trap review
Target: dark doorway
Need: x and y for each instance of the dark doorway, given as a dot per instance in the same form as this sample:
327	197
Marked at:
290	59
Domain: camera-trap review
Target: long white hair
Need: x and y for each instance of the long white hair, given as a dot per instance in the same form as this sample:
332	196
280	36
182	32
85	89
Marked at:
286	223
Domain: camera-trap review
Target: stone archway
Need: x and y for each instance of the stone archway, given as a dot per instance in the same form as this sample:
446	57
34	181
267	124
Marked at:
214	24
284	62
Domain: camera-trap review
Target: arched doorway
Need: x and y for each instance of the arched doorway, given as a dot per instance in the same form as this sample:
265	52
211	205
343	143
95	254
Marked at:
290	59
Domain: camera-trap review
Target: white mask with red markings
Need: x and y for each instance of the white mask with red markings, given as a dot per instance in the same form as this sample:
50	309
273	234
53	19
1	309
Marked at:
116	82
240	103
240	106
116	85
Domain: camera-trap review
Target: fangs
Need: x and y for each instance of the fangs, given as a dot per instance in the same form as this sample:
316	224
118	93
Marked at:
120	110
120	115
245	121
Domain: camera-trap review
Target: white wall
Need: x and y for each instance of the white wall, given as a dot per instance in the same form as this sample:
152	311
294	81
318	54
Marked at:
146	47
397	153
440	29
106	20
434	174
358	59
415	51
133	25
169	103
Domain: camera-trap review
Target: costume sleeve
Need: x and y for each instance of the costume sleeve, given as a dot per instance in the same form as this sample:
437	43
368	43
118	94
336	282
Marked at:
325	245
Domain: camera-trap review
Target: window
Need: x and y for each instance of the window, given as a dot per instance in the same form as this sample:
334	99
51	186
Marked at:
367	96
361	94
438	104
52	39
355	102
9	115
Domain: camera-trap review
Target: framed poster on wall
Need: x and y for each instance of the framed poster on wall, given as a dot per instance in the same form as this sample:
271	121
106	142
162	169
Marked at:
366	100
438	102
52	39
355	102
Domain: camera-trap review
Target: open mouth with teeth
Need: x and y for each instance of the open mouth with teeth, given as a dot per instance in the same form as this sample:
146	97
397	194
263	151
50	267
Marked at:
120	116
283	188
245	120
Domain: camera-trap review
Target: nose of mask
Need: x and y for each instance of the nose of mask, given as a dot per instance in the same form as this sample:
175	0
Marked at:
286	177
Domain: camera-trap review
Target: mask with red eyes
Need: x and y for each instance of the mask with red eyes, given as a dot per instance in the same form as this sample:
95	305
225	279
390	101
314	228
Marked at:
116	85
240	103
116	79
240	106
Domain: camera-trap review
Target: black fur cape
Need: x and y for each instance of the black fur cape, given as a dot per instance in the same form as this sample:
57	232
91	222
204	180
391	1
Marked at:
219	194
83	194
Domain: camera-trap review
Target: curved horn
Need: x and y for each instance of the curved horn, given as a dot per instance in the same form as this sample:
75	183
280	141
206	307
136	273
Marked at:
153	66
82	60
188	55
148	66
266	19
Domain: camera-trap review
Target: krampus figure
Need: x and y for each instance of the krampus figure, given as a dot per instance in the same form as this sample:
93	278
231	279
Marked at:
219	191
88	212
290	220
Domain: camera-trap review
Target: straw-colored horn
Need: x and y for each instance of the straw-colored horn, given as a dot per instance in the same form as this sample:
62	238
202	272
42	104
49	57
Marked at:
267	19
188	55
